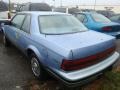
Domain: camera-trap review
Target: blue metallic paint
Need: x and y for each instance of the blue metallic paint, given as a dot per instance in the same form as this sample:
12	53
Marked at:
52	49
97	26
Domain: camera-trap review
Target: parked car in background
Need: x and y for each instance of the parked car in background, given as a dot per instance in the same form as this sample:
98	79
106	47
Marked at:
66	10
5	17
3	6
88	10
115	18
60	44
106	13
35	7
100	23
5	21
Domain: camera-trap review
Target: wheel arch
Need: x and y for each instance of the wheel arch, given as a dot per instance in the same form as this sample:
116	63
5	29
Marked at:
32	49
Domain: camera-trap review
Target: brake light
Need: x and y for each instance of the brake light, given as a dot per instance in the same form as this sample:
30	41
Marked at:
106	28
69	65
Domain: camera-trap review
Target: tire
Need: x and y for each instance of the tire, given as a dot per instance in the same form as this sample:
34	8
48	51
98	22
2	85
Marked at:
36	67
6	42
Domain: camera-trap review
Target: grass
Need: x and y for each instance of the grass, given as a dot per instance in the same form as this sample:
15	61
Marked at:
111	81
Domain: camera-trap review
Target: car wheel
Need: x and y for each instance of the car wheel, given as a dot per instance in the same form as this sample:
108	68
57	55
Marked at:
36	67
6	41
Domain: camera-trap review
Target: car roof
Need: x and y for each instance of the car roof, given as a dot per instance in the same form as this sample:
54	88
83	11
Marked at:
86	13
42	13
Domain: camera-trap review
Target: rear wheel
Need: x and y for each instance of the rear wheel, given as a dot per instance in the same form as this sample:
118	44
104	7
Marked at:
37	69
6	41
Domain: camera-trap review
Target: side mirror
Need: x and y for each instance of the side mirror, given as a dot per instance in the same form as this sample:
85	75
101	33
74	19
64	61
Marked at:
7	22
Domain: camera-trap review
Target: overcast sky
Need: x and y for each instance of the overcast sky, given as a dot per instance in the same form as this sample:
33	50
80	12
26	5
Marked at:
71	2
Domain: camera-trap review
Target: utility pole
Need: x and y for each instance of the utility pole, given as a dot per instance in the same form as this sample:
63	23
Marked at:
95	4
54	3
9	6
61	3
9	9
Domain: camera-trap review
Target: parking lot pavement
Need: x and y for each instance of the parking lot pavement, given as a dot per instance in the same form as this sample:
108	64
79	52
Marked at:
14	68
15	72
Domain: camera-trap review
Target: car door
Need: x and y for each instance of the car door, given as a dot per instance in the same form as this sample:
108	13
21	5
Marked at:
24	33
12	29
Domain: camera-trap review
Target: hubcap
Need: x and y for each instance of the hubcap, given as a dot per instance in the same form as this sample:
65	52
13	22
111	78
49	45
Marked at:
35	67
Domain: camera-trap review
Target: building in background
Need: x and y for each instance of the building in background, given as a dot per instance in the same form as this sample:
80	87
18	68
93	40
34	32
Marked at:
3	6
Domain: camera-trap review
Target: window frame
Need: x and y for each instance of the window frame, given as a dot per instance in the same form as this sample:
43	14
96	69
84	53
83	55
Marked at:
84	16
21	24
39	25
29	23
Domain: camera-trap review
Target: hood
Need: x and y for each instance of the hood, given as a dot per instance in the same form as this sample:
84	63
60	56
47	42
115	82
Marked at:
82	44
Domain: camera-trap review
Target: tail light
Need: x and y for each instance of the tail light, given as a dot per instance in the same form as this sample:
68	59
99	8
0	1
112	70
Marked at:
107	28
69	65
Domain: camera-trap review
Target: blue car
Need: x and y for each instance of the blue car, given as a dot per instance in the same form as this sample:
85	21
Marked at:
100	23
60	44
5	21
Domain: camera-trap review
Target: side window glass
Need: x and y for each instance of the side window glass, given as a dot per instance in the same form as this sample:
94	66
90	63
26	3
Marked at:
82	18
18	20
119	17
85	19
26	24
115	18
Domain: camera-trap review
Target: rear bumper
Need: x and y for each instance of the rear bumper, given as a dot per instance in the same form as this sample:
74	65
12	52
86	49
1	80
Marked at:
83	76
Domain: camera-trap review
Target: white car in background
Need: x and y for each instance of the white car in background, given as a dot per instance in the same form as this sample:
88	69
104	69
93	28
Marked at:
3	18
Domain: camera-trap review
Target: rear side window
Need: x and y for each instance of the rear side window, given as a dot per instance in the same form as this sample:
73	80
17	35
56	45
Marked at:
18	21
115	18
100	18
26	24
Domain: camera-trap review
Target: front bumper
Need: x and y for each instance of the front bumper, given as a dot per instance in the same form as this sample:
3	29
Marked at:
85	75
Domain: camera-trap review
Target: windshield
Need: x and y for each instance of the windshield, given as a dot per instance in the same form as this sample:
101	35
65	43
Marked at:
60	24
100	18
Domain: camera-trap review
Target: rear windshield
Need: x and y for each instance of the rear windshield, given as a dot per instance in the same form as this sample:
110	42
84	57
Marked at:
100	18
60	24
